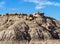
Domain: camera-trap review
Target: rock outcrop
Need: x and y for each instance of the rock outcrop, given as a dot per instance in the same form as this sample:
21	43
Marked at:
29	29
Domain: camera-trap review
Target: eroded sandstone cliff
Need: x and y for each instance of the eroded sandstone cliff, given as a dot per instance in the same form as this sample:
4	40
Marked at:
29	29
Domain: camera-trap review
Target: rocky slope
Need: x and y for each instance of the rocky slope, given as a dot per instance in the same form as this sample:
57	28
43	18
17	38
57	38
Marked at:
29	29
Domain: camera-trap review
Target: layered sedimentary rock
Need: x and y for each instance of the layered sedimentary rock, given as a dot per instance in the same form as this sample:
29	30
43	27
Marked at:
29	29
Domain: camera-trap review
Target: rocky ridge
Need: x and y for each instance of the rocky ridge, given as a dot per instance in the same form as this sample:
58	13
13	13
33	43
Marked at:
29	29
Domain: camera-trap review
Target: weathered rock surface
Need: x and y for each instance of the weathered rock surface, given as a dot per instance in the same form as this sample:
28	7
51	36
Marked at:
29	29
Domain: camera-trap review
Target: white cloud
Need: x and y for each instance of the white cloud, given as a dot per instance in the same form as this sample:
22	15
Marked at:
13	8
34	1
39	7
2	4
42	3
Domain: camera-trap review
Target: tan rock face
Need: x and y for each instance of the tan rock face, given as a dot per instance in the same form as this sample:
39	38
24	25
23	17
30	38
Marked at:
28	29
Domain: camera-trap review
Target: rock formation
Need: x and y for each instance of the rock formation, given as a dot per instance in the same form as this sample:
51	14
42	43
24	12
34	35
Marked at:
29	29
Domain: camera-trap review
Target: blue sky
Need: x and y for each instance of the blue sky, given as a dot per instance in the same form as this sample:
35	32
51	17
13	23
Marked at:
49	7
